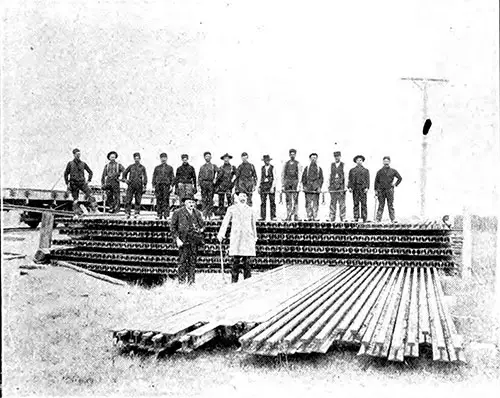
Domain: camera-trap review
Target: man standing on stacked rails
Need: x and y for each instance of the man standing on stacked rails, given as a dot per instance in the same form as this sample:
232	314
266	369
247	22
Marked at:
384	188
163	178
267	188
110	181
207	177
290	177
74	178
225	181
246	178
185	179
136	179
312	181
359	183
337	188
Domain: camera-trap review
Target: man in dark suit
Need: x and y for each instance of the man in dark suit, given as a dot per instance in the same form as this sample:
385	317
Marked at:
187	228
290	177
246	178
136	178
359	183
224	183
312	181
267	188
337	187
163	178
110	181
384	188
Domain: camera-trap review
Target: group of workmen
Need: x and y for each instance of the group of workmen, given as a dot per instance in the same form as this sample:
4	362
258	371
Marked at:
225	179
187	223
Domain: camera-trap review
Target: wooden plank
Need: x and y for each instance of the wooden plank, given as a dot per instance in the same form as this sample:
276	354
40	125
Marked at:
411	347
46	229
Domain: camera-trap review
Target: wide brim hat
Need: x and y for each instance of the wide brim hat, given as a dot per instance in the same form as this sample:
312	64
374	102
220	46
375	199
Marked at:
226	155
111	153
266	157
357	157
188	197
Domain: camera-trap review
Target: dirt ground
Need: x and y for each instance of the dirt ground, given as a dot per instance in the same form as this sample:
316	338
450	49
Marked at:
56	342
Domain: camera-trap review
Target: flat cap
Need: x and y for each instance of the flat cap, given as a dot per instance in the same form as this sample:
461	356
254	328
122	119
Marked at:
207	153
292	151
184	156
163	155
386	157
75	150
244	154
137	155
336	153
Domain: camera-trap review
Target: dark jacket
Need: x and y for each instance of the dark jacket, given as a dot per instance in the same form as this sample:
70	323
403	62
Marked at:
75	170
112	173
385	177
185	174
184	224
225	175
163	174
208	173
359	178
135	175
267	179
337	177
312	179
246	176
291	172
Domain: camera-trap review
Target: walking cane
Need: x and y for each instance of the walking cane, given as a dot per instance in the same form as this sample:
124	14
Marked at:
221	261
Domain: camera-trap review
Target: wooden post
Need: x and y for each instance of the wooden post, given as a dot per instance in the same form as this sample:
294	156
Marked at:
46	230
467	244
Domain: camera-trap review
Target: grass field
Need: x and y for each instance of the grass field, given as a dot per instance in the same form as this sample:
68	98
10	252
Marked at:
56	341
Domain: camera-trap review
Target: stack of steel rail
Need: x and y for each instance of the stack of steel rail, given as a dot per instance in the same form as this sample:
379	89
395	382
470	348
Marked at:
388	312
146	246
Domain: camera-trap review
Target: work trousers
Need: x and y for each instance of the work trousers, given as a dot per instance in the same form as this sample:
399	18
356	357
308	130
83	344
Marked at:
162	192
134	191
292	199
185	190
383	196
265	191
238	263
337	197
312	206
359	198
222	207
207	198
112	190
246	187
188	254
75	188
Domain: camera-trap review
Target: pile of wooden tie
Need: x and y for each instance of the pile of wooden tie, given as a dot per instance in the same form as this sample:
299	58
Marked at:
387	312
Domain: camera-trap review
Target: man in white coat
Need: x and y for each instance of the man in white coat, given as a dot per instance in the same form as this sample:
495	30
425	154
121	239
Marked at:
243	235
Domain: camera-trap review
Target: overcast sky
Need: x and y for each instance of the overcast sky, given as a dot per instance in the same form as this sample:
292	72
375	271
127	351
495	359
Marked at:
256	76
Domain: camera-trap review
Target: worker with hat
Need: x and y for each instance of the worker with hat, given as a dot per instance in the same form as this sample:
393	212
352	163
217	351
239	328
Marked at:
290	177
207	178
312	181
136	179
359	183
163	179
187	227
74	178
267	188
386	180
246	178
243	235
337	187
224	184
185	178
110	181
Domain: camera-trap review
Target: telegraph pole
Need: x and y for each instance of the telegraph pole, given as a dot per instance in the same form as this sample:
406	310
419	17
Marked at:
423	83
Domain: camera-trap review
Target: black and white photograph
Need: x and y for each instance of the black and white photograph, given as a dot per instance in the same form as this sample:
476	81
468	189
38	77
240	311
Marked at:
234	198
